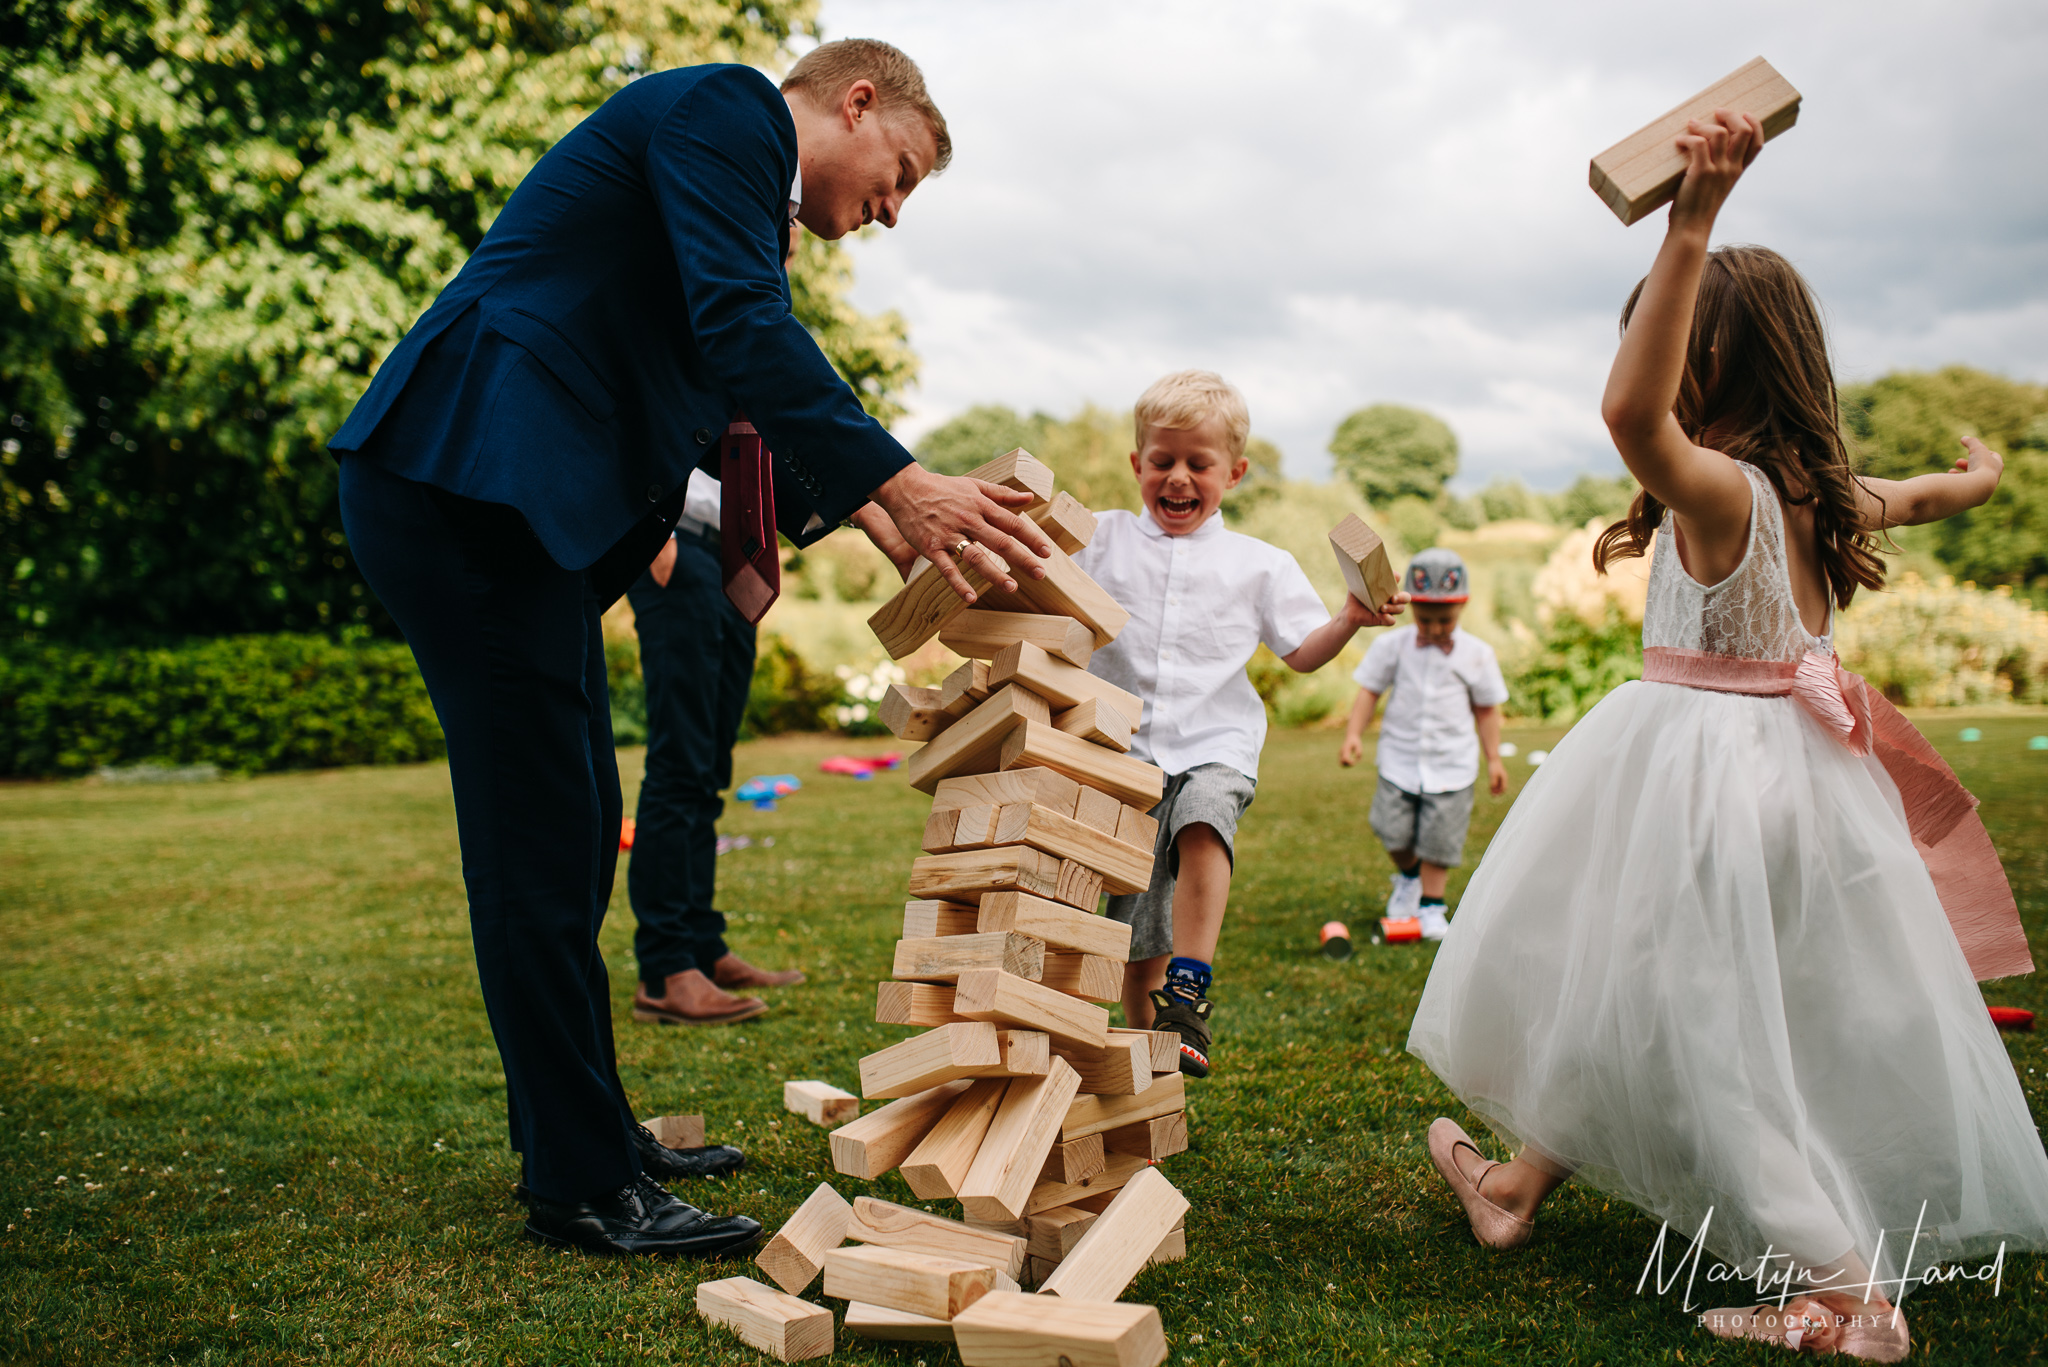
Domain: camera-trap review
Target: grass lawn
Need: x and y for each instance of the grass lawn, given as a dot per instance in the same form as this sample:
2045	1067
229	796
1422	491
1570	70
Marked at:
255	1115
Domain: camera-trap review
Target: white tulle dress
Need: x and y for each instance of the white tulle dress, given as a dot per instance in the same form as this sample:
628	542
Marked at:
1702	967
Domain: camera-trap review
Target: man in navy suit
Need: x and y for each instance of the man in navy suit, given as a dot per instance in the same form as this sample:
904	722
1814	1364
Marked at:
519	459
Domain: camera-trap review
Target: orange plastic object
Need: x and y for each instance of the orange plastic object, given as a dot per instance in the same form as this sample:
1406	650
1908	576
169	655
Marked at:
1336	940
2012	1018
626	833
1401	930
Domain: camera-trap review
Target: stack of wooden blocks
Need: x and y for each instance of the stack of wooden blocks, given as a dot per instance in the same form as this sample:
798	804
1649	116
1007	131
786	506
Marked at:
1017	1099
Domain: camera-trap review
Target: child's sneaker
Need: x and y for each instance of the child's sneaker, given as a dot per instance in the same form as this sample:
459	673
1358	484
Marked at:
1188	1018
1404	901
1435	924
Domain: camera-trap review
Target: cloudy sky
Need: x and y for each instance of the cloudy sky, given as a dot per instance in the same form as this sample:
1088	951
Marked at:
1338	204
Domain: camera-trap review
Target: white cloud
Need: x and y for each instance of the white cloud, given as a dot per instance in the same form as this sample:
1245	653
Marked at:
1336	204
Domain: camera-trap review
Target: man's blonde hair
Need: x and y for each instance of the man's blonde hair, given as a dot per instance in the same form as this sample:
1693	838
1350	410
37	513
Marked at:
824	73
1188	398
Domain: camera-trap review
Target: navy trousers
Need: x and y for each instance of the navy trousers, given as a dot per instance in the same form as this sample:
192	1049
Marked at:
697	661
512	653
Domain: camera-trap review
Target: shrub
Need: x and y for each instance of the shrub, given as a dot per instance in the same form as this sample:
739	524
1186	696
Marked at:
1574	666
1943	644
787	694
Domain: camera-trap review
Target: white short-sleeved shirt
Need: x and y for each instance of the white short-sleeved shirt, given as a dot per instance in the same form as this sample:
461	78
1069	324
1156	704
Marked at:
1200	605
1428	743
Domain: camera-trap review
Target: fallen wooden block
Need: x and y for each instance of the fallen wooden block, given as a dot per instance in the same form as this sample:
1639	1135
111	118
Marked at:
874	1144
1117	1169
1026	1053
1121	1067
880	1322
1004	1330
1060	926
1362	556
929	917
1017	1229
944	958
939	1163
1037	1269
1095	1114
898	1279
1067	521
1162	1136
1058	682
974	744
678	1131
789	1329
966	875
1172	1249
884	1222
1087	976
1073	1160
1026	1126
1055	1232
964	688
1642	171
938	1055
925	1004
1165	1044
1096	722
991	995
1138	828
983	634
1042	786
1124	868
1066	591
820	1103
796	1254
1120	1242
913	713
1032	743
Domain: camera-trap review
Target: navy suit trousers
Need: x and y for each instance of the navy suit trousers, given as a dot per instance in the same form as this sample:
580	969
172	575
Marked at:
697	660
510	646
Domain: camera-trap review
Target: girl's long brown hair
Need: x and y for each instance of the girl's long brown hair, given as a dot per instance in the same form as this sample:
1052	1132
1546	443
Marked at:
1758	386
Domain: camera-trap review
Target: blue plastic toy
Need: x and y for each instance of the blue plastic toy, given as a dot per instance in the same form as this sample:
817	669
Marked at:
763	789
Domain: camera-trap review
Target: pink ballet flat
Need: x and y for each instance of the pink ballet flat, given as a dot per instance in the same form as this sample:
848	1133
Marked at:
1491	1226
1806	1325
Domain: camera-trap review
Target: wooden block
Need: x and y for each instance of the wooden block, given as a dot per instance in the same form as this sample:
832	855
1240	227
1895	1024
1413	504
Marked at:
990	995
1078	886
966	875
1124	868
1162	1136
1061	927
1005	1282
1003	1330
879	1322
1072	1160
1066	591
874	1144
1122	1067
898	1279
1019	470
885	1222
1119	1243
971	828
1363	559
1099	811
1135	827
1023	1132
1067	521
924	1004
913	713
679	1131
944	958
1036	1270
1016	1229
1026	1053
938	831
1172	1249
974	744
1095	1114
983	634
1089	977
820	1103
796	1254
1058	682
783	1326
929	917
1031	743
1042	786
938	1055
1642	171
924	604
1098	723
1165	1043
1055	1232
963	688
1092	1192
937	1166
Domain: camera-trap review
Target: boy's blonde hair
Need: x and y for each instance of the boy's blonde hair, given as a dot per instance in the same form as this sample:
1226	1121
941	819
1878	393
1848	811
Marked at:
1188	398
826	70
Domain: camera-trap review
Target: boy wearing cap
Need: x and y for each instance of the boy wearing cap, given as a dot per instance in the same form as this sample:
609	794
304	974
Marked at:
1445	710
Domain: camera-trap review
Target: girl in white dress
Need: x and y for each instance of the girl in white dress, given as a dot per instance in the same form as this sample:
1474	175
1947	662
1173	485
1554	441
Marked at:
1703	965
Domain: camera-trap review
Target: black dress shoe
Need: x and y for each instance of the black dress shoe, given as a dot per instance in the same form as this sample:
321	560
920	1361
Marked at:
665	1164
637	1218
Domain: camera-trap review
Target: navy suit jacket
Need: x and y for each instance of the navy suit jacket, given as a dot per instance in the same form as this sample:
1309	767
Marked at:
626	303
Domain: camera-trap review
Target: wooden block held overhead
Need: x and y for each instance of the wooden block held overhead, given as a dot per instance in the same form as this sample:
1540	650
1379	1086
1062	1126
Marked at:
991	995
944	958
898	1279
1004	1330
879	1322
938	1055
1362	556
796	1254
1089	977
1042	786
1032	743
1162	1136
1642	171
1060	926
874	1144
1074	1160
884	1222
1067	521
1120	1242
984	633
1124	868
937	1166
1096	722
929	917
1026	1126
678	1131
974	744
1094	1114
820	1103
924	1004
1117	1169
1165	1043
1122	1067
1058	682
781	1325
913	713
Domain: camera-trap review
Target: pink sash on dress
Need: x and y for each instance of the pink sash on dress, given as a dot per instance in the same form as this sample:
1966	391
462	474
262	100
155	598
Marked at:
1941	813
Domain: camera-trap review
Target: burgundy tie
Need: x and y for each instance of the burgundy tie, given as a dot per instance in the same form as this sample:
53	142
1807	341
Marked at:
746	522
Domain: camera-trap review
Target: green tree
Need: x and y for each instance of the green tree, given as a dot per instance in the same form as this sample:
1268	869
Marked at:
216	219
1262	482
1504	499
978	436
1392	452
1592	496
1090	452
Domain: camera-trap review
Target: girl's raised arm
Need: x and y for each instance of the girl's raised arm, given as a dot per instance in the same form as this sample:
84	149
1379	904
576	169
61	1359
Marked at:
1930	498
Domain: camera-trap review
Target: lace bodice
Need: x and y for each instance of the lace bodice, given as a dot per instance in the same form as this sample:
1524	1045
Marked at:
1750	614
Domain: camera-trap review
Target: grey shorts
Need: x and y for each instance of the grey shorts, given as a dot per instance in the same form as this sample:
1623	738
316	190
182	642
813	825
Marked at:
1212	795
1431	824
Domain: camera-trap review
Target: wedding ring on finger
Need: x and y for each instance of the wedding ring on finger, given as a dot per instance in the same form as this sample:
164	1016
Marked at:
961	549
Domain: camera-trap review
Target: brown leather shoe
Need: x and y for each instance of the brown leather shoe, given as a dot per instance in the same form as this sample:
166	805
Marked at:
688	998
733	971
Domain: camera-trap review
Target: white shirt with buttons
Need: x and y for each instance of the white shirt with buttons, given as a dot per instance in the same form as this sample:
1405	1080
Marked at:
1200	605
1428	741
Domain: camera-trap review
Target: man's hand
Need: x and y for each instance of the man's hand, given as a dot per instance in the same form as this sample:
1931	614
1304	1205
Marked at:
935	513
1352	751
1496	776
664	563
876	526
